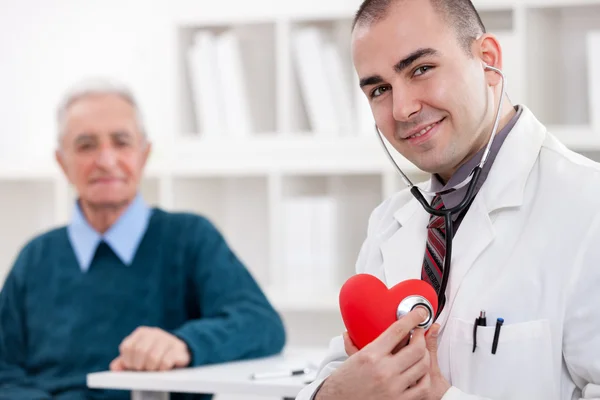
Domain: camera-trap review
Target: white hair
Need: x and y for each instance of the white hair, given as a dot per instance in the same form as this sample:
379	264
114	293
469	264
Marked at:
93	87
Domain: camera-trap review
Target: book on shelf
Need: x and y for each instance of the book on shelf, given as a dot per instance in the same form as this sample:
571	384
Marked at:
340	89
316	92
218	85
309	245
328	85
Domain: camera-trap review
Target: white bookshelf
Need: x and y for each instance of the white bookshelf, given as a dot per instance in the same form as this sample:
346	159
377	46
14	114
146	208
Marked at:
242	182
345	162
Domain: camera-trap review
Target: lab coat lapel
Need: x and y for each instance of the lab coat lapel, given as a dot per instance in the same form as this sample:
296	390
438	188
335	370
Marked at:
404	250
503	189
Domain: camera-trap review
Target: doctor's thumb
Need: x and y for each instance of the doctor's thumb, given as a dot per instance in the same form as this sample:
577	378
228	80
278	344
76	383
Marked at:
439	384
431	340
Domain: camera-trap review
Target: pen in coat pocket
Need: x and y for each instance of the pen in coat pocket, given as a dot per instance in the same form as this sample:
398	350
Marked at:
499	323
479	321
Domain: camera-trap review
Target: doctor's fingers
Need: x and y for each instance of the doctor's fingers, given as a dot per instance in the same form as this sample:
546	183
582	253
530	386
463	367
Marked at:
349	346
414	353
389	340
412	375
420	391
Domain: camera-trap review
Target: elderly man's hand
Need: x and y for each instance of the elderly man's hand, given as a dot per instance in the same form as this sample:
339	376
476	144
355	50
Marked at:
151	349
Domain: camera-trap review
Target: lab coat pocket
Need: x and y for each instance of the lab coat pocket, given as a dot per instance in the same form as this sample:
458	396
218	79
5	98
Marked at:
522	367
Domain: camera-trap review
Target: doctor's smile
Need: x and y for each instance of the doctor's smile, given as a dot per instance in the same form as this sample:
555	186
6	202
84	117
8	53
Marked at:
422	133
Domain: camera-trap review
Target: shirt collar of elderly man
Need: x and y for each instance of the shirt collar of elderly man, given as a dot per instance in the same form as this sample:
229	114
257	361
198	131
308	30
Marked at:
145	289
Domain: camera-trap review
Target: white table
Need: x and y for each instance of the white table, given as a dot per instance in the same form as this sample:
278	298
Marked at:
226	378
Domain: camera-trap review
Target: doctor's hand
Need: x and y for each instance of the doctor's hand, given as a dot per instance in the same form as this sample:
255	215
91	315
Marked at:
380	371
351	349
151	349
439	384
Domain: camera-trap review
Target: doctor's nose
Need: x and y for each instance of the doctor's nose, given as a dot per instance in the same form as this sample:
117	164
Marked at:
405	106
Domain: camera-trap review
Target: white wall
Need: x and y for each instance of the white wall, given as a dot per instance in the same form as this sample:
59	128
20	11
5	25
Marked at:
47	45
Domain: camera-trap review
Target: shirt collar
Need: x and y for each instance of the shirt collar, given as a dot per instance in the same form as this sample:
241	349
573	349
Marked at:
454	198
123	237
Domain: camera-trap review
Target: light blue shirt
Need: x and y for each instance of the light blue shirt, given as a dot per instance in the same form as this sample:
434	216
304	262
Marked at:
123	237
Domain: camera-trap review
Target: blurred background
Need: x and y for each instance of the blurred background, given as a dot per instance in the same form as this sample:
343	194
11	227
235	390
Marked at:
256	121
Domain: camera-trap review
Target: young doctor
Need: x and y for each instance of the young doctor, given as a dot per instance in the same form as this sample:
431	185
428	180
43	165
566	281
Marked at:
525	248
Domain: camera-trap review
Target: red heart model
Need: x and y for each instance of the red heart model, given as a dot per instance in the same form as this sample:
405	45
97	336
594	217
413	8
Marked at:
368	307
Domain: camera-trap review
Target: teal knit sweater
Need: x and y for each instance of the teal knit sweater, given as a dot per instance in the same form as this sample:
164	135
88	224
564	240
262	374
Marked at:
58	324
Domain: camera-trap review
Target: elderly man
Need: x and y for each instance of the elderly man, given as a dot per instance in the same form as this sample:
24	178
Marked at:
124	286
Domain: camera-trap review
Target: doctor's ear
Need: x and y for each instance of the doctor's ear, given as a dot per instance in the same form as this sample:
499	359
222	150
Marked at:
490	53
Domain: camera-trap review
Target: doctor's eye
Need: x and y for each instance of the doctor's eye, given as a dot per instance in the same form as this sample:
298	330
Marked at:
378	91
422	69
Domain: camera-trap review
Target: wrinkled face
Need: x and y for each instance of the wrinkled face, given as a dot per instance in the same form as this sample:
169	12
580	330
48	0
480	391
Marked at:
103	152
428	96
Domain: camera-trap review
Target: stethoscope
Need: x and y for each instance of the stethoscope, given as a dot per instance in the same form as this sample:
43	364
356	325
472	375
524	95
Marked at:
412	302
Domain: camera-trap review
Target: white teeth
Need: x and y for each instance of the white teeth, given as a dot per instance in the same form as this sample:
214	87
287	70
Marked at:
423	131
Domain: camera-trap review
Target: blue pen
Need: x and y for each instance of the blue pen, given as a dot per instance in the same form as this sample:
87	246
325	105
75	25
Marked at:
499	323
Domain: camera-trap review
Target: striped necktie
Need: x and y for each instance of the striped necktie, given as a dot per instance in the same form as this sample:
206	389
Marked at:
435	251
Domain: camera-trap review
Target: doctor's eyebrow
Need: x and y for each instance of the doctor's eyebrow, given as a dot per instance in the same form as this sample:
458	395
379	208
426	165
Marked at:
401	65
414	56
371	80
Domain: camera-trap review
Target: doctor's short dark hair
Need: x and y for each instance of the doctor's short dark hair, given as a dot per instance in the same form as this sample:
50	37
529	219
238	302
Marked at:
461	14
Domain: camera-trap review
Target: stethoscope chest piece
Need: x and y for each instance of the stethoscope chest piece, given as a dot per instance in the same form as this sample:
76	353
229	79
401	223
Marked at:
412	302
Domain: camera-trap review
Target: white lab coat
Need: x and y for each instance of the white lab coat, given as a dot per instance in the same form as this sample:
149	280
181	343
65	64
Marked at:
528	251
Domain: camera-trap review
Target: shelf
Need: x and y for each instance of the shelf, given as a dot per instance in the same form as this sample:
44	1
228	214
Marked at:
487	5
578	138
299	155
290	155
290	301
558	3
187	12
321	225
49	170
26	209
29	171
239	209
225	78
556	51
496	5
